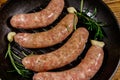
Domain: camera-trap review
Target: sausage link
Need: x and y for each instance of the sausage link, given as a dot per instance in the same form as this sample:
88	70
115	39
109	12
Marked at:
39	19
50	37
60	57
84	71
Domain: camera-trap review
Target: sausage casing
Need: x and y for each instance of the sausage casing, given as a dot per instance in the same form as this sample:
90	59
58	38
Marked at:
60	57
84	71
39	19
50	37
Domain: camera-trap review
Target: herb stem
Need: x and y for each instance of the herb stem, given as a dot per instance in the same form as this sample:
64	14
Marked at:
81	6
11	59
74	22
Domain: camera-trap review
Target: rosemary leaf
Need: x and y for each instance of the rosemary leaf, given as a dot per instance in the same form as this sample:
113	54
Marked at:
24	53
16	56
94	13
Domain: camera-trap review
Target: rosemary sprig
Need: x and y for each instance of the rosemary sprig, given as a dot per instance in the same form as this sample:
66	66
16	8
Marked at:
19	68
92	24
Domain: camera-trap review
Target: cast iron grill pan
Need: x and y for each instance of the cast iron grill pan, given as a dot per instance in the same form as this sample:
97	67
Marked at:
29	6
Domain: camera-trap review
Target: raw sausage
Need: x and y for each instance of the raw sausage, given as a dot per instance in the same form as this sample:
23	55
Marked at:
84	71
39	19
60	57
50	37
